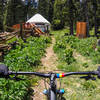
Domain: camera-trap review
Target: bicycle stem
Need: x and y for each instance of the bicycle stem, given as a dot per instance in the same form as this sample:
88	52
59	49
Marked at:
53	92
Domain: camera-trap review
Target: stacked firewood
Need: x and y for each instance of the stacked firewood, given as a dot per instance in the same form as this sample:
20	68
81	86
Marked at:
4	37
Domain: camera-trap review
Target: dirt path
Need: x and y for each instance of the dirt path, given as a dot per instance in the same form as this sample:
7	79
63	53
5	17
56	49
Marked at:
49	63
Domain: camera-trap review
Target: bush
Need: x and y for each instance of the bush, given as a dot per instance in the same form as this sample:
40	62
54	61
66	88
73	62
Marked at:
64	52
86	47
57	24
69	56
25	57
59	46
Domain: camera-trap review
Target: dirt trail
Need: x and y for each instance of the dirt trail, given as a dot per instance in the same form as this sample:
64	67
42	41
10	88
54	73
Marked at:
49	63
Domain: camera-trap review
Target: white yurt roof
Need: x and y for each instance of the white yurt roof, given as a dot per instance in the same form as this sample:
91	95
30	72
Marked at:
37	18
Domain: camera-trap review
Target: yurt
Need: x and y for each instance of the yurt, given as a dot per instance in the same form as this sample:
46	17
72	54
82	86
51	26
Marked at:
40	22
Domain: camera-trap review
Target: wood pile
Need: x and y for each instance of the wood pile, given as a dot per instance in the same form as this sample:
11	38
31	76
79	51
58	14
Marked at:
36	30
23	31
5	36
29	28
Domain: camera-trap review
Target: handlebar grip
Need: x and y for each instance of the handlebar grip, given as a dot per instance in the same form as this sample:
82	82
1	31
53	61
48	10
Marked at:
98	72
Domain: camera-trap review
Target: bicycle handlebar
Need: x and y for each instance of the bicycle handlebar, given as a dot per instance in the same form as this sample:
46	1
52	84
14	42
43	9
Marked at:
58	75
53	76
29	73
82	73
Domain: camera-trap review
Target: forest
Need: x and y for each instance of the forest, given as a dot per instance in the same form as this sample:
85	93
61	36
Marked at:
61	13
60	50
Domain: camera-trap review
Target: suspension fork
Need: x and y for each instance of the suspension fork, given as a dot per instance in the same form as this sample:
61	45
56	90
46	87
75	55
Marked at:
53	90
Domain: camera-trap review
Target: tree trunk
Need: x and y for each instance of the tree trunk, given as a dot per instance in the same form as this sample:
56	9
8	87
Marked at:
71	16
14	11
95	18
5	17
87	17
95	22
2	14
51	10
71	26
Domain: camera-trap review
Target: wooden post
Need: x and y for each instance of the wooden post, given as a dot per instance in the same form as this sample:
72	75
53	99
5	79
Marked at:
95	18
21	31
87	17
71	16
1	54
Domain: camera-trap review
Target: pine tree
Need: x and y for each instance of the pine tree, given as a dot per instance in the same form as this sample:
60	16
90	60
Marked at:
43	8
16	12
58	16
94	2
71	14
3	14
51	10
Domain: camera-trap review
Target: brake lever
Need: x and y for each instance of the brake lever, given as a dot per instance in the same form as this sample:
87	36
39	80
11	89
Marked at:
89	77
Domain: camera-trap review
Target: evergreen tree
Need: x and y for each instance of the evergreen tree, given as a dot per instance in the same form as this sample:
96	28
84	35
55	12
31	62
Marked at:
43	8
58	17
51	10
31	8
71	15
15	12
94	2
98	16
59	12
3	14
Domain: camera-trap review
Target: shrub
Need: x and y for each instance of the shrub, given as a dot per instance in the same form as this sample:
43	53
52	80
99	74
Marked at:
64	52
59	46
25	57
69	56
57	24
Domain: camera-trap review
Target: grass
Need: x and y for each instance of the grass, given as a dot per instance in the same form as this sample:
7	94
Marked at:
76	88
